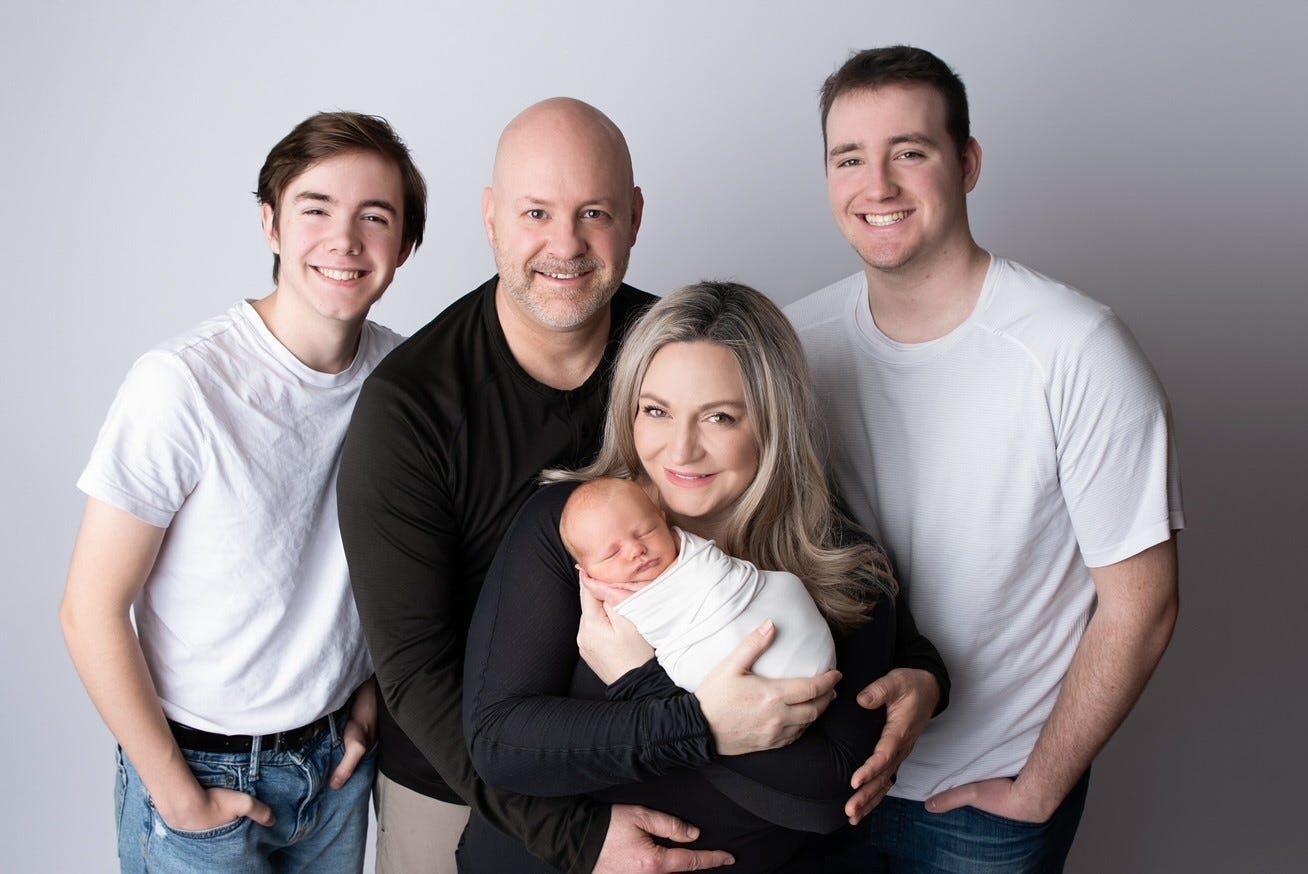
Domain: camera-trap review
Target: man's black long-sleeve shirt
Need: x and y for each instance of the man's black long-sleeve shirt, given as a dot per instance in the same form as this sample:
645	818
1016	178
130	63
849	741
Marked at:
448	438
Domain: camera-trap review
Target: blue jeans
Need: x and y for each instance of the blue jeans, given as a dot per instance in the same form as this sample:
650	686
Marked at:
318	828
901	837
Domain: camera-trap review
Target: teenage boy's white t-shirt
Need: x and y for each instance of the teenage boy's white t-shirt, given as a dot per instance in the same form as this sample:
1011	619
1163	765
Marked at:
227	440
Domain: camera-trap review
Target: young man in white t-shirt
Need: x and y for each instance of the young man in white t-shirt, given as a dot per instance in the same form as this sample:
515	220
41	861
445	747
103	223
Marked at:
1011	446
243	700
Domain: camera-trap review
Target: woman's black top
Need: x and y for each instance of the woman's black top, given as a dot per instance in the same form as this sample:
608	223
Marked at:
540	722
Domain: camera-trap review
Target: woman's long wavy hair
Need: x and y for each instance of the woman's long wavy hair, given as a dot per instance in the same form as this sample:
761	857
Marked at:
786	519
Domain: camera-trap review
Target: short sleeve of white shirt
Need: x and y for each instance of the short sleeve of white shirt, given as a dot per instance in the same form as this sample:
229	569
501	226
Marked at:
150	451
1115	454
223	437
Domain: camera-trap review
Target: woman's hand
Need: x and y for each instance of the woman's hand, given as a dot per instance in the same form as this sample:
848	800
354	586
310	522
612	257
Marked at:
608	643
748	713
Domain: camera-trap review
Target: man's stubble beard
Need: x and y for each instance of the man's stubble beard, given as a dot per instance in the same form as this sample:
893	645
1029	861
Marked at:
557	311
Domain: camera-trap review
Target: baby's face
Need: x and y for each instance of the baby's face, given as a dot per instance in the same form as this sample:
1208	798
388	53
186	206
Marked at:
624	540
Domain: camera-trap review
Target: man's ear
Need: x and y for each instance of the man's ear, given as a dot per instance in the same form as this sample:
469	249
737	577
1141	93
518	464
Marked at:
270	229
637	212
971	164
405	252
488	213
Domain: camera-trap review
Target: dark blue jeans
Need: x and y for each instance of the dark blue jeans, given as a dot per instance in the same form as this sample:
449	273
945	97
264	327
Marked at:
901	837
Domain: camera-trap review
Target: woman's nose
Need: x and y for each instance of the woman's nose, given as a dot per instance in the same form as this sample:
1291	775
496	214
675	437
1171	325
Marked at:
685	444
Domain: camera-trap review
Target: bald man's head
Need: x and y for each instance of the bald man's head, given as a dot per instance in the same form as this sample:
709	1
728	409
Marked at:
563	122
562	212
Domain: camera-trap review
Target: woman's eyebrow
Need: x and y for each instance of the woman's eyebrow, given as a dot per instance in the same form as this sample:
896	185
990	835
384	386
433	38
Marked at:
646	396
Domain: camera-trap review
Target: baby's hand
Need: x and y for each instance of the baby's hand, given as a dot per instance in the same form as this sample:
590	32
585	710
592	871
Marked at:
608	643
612	594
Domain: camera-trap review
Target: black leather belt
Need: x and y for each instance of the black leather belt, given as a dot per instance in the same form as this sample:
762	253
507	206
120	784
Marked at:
297	738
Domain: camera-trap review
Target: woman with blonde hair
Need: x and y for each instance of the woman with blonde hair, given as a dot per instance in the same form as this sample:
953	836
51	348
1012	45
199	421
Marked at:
711	411
785	518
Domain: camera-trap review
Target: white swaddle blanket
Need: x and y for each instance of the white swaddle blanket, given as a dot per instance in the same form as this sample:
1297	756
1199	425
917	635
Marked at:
697	611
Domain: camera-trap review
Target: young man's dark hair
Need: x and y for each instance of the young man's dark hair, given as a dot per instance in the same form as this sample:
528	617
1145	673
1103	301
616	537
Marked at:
901	65
328	134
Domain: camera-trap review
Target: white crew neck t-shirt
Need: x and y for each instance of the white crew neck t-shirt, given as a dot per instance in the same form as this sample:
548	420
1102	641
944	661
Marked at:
226	439
996	464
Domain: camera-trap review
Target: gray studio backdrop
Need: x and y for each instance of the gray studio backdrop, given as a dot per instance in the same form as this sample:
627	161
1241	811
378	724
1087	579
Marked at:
1150	153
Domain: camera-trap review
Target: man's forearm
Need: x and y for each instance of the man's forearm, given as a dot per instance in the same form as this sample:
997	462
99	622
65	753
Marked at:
1122	646
112	558
109	661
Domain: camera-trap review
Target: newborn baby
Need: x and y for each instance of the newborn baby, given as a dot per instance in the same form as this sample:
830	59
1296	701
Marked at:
690	600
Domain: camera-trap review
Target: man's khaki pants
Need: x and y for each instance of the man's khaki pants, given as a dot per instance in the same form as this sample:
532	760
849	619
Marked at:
415	834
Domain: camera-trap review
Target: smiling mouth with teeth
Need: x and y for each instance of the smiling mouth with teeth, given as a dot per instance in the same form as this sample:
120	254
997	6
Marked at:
339	275
560	275
884	221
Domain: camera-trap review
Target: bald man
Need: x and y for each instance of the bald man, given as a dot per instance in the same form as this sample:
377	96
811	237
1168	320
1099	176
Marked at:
447	441
448	438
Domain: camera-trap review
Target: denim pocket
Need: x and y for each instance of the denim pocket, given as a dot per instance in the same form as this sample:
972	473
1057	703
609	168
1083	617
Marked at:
1005	822
205	834
177	851
209	775
120	789
223	775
